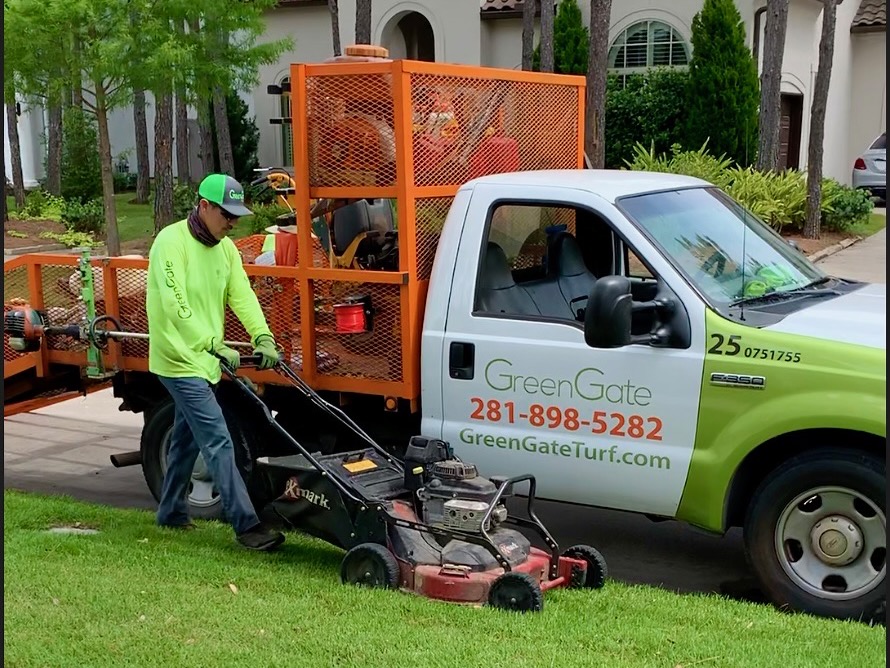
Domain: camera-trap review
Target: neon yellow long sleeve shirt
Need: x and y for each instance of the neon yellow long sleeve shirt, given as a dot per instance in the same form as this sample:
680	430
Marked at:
189	286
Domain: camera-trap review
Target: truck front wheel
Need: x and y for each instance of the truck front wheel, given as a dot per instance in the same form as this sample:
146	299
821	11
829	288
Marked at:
816	534
203	497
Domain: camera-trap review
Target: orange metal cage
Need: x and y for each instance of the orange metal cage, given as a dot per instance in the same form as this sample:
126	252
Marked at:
407	131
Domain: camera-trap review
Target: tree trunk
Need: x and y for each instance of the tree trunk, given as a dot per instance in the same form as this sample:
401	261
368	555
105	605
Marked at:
15	148
77	87
163	208
595	113
817	121
770	84
335	25
143	168
362	21
112	240
208	164
528	33
183	171
223	138
54	147
546	35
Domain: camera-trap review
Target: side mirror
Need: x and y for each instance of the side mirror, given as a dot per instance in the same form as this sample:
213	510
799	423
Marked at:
793	244
607	319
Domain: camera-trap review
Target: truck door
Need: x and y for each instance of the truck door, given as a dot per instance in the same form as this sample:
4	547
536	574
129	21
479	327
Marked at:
521	390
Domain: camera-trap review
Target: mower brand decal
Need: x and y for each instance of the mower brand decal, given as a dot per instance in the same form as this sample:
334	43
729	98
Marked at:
738	380
571	450
295	492
184	312
733	346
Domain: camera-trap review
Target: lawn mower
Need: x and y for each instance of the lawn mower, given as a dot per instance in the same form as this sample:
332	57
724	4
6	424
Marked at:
429	524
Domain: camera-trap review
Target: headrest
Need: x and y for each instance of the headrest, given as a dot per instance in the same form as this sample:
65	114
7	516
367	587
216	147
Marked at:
567	257
496	274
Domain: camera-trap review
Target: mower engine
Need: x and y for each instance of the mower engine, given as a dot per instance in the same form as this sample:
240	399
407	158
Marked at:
456	497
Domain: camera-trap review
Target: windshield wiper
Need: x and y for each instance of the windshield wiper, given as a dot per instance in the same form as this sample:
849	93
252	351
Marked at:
803	291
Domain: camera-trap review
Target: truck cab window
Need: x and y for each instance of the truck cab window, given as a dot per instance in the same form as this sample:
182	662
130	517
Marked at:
541	261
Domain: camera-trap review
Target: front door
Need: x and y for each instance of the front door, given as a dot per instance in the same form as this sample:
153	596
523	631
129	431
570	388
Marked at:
523	393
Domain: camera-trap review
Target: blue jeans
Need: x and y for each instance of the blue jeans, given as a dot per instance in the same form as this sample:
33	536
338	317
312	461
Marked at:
199	425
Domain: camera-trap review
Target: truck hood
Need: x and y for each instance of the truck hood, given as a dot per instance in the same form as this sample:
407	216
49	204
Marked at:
859	317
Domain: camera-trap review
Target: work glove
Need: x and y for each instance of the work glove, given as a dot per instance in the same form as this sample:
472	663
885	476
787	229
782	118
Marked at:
268	352
232	357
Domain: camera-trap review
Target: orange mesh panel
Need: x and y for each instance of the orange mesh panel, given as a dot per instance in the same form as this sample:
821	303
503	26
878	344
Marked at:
250	247
376	354
430	220
466	127
280	300
350	129
15	290
131	284
61	300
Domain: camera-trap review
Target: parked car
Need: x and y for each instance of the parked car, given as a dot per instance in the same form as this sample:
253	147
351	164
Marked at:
869	170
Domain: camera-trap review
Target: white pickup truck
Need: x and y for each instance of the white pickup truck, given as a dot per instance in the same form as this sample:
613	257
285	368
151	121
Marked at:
667	354
641	342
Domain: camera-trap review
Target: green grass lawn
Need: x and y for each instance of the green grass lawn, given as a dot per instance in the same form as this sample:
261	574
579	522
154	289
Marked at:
138	595
876	223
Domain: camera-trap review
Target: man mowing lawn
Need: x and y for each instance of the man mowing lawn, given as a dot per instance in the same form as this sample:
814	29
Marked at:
194	271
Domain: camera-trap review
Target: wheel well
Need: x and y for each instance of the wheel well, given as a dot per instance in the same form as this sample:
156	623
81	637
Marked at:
773	453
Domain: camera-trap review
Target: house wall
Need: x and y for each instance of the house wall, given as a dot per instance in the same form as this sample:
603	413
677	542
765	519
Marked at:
31	124
868	92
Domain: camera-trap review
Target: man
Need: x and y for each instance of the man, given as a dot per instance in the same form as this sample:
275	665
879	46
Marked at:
194	271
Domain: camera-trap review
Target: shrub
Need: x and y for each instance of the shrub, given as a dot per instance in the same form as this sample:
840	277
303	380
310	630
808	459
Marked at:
39	204
266	215
570	41
184	198
723	95
699	164
81	170
846	206
86	218
124	182
779	199
648	109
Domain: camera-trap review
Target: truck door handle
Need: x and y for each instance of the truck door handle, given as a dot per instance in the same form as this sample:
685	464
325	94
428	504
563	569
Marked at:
461	360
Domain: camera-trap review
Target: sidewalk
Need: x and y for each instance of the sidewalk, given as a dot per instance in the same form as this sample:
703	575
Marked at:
864	261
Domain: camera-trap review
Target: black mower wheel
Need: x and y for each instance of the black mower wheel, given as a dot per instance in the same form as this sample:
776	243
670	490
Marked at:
597	570
370	565
518	592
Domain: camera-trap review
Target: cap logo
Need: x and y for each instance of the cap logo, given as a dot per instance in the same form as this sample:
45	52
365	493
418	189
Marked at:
235	195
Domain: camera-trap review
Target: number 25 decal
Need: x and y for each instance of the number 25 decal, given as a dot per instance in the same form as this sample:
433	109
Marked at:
732	348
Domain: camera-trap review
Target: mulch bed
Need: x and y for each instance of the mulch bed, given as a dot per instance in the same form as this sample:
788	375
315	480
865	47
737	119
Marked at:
32	229
826	239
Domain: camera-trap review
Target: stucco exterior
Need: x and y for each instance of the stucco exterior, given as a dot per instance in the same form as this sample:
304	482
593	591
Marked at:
461	33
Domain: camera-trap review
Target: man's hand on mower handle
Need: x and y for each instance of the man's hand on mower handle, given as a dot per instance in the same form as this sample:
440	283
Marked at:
232	357
267	351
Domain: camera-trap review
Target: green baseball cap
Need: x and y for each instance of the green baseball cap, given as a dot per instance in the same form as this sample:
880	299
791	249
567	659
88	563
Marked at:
226	192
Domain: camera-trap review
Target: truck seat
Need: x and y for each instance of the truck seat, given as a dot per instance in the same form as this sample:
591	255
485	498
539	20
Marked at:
498	292
572	275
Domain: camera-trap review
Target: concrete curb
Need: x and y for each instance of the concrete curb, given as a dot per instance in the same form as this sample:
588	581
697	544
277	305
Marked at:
34	249
836	248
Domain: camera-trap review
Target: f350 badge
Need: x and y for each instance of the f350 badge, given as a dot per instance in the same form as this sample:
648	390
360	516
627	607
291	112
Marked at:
738	380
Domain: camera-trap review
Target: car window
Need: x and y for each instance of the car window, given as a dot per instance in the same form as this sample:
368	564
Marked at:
880	142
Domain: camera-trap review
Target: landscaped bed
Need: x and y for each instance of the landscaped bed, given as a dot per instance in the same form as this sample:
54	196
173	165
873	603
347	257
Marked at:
133	594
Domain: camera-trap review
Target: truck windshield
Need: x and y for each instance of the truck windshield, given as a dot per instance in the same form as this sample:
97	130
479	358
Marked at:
706	235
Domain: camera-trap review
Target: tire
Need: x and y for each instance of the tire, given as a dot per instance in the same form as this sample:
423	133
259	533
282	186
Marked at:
517	592
597	570
815	534
204	501
370	565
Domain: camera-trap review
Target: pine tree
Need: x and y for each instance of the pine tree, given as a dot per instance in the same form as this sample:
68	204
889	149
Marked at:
570	41
724	94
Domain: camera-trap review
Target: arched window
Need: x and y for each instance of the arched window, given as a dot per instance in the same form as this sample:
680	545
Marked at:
287	129
647	44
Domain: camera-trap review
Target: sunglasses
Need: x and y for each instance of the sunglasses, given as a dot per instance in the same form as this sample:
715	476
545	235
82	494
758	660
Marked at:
226	214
